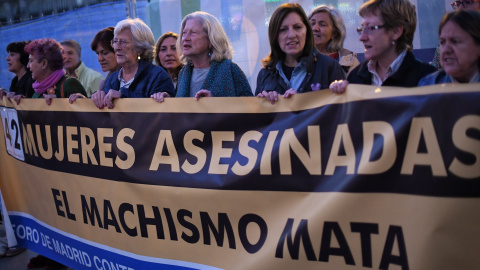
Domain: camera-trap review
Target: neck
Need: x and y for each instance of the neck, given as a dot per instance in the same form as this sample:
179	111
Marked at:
201	61
128	71
72	70
467	77
20	73
44	76
384	63
172	73
322	49
290	61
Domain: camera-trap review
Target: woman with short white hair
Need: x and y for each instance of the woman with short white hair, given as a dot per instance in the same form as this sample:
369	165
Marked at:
206	51
133	43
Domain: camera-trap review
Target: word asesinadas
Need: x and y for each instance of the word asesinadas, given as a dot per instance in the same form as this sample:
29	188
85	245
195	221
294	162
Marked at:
274	144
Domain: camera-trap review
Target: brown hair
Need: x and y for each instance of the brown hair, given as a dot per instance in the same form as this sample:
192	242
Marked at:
103	37
394	13
276	53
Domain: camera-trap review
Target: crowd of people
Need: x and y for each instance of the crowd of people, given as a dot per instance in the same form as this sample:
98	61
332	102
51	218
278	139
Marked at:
306	54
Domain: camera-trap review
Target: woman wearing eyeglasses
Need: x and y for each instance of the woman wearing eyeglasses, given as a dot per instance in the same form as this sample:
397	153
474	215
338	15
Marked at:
133	43
387	31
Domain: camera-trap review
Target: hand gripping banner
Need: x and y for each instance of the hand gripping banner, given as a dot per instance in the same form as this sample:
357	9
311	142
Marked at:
376	178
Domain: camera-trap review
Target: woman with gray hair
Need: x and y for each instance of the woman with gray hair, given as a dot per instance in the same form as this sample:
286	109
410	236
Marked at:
133	43
207	53
329	33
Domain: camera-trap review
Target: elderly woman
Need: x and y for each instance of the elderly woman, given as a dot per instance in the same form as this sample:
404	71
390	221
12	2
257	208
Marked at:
456	5
166	55
207	53
459	35
17	60
329	34
46	64
294	65
137	78
387	31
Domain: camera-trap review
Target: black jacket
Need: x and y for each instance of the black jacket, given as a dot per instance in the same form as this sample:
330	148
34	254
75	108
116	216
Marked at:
320	69
408	74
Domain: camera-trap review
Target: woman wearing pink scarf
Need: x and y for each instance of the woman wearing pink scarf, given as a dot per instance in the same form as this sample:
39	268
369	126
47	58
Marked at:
46	64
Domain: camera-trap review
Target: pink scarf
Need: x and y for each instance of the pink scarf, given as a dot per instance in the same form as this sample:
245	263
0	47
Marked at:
41	87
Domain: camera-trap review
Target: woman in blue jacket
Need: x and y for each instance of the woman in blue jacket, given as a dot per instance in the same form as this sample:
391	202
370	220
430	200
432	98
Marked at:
294	65
133	43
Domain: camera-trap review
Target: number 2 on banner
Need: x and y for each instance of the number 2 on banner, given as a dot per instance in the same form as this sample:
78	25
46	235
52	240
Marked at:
12	133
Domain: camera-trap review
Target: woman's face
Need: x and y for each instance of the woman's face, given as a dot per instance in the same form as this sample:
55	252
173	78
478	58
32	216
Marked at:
168	53
35	67
459	54
124	48
292	35
322	29
13	62
106	58
195	42
378	44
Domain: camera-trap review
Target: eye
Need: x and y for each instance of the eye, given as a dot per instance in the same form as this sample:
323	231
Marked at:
442	42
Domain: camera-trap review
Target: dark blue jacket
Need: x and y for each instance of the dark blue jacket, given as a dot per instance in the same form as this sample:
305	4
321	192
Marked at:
439	77
224	79
148	80
321	69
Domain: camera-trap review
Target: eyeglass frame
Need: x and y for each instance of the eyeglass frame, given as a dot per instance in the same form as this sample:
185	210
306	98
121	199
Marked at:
369	29
456	4
122	43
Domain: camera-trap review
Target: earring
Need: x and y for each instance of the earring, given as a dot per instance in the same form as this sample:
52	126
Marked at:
139	58
209	54
393	42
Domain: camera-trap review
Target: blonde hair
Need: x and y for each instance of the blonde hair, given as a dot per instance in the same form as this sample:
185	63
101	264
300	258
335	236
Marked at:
221	48
142	36
339	32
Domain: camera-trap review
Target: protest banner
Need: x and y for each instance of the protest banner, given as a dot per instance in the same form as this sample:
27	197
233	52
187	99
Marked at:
374	178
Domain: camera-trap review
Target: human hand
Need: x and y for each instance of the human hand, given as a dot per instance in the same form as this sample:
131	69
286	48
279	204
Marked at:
98	99
338	87
110	96
290	92
74	97
271	96
3	92
159	97
48	98
17	98
203	93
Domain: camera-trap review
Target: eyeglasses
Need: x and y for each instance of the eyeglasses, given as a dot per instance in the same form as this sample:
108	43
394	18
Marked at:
369	29
122	43
466	4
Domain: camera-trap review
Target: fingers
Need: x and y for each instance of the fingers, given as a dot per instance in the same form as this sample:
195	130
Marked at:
17	98
98	99
290	92
74	97
160	97
2	93
203	93
338	87
48	100
271	96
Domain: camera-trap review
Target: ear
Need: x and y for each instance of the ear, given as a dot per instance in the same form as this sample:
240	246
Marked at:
44	63
397	32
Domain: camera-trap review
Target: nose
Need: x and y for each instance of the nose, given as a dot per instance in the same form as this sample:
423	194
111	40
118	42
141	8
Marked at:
315	27
363	36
